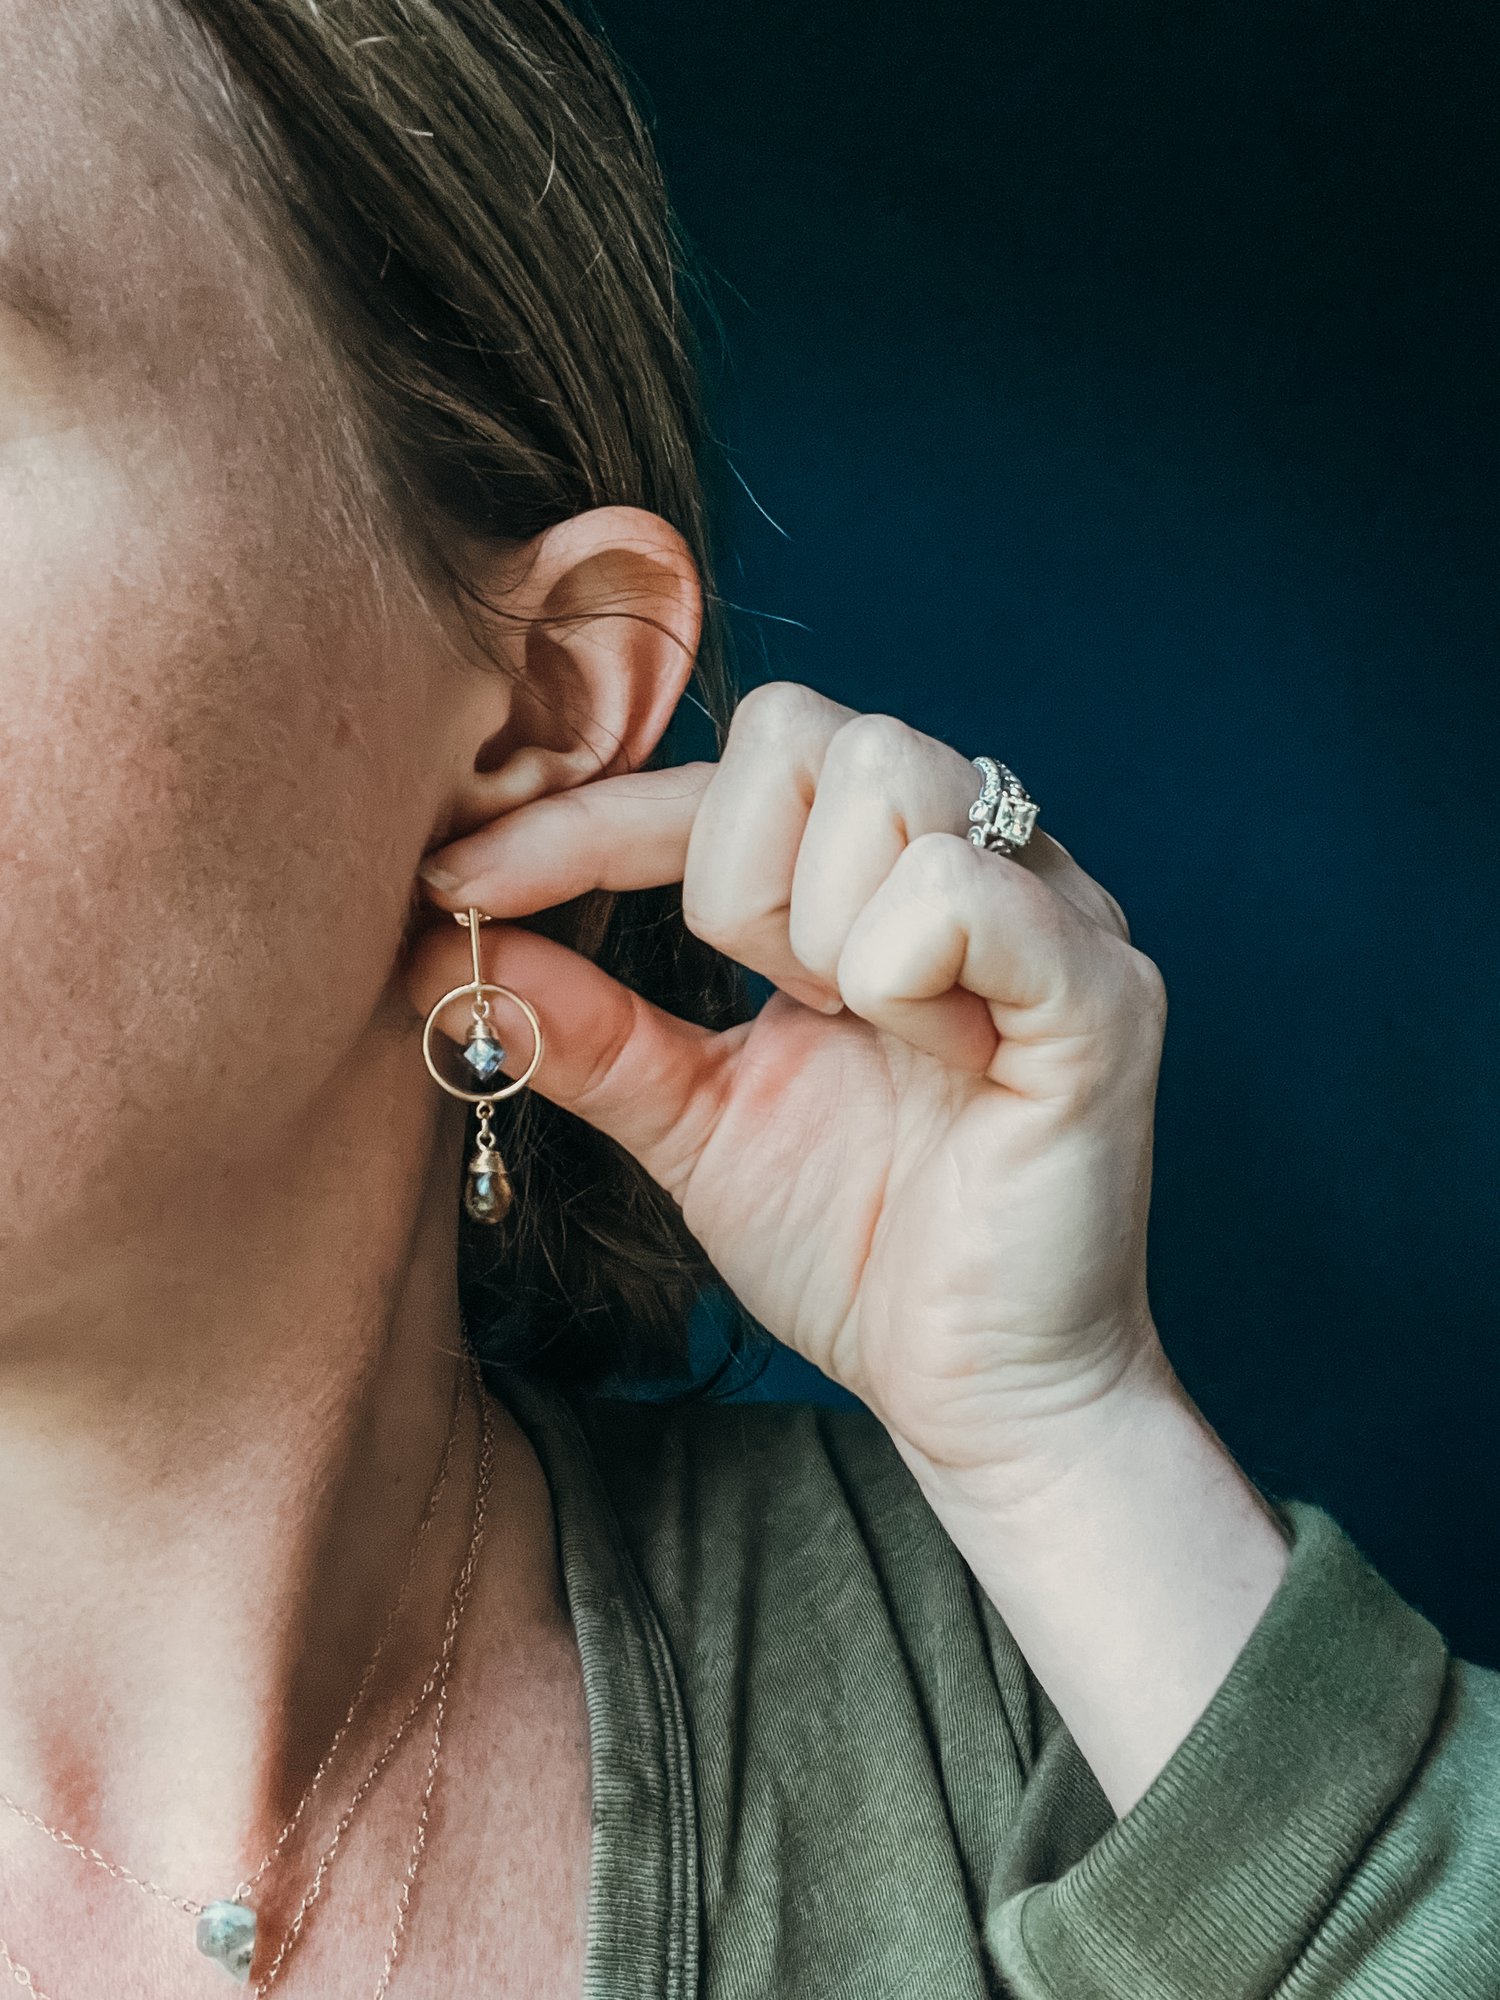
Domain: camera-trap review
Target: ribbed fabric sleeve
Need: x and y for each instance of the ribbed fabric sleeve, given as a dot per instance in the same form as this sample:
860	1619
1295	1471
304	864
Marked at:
822	1769
1330	1829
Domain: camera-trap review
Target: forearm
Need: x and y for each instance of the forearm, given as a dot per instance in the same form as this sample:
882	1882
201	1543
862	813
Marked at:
1131	1563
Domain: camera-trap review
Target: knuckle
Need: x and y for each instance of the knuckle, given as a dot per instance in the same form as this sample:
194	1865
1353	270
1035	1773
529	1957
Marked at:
939	864
860	985
724	918
810	945
1115	914
871	743
707	907
707	918
774	710
1149	988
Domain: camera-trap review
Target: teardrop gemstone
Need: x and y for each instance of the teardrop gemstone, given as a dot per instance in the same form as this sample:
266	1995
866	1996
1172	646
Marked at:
488	1195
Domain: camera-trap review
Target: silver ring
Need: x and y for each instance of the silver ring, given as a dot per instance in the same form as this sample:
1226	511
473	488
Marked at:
1002	817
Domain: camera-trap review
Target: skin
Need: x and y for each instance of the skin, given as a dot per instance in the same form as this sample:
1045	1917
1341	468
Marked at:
228	1322
229	735
925	1165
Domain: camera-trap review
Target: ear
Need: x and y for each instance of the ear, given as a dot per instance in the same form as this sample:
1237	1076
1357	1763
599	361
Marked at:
598	623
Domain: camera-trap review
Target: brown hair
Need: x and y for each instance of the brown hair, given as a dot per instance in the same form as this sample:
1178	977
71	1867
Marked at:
481	199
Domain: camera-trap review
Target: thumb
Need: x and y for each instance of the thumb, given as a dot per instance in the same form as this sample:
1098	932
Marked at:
634	1071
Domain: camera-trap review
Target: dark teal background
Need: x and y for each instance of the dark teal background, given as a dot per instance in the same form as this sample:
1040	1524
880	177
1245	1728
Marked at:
1122	381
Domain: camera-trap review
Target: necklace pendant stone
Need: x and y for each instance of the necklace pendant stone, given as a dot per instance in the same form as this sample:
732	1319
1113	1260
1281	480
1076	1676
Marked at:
226	1934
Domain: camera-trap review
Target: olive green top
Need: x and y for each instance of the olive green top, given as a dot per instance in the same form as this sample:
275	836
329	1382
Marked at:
821	1768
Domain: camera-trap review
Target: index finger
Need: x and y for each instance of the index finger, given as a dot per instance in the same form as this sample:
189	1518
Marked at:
629	832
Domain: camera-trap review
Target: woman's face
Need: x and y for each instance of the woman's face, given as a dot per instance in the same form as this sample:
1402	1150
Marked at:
216	775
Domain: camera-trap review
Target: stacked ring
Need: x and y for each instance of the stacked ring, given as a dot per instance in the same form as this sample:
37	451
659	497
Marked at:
1002	817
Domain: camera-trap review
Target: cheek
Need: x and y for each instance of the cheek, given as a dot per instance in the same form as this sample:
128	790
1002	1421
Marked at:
212	799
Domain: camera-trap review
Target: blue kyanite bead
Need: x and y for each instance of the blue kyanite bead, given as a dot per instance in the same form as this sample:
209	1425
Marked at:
226	1934
483	1056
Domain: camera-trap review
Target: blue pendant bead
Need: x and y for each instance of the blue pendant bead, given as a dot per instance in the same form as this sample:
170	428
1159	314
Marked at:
226	1934
482	1052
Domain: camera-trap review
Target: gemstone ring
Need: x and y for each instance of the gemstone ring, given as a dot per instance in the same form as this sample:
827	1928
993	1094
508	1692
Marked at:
1002	817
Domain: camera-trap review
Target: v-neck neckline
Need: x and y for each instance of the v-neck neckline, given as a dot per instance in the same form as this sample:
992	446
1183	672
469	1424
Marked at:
643	1899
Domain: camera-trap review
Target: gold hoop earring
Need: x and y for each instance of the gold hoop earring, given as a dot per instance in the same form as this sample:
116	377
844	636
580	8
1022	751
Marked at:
488	1192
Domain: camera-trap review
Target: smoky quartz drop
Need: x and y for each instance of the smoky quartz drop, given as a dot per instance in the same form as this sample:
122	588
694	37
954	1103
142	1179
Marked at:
487	1196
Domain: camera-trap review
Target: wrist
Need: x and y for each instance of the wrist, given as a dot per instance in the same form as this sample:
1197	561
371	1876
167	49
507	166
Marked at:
1129	1556
1143	1441
1062	1434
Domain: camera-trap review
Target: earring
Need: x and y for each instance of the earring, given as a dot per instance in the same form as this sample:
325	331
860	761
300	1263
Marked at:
488	1192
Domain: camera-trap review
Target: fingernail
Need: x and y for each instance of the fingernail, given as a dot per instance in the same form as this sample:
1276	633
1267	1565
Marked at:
441	879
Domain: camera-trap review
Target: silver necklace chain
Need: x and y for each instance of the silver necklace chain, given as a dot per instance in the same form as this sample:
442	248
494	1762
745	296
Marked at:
188	1905
435	1685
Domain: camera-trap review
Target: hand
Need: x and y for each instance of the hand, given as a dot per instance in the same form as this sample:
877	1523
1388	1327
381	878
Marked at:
925	1165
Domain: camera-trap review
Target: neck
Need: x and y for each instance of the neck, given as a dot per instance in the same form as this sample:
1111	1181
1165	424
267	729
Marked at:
216	1443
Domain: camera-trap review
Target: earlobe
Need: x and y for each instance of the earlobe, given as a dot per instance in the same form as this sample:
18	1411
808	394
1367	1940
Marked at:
601	631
